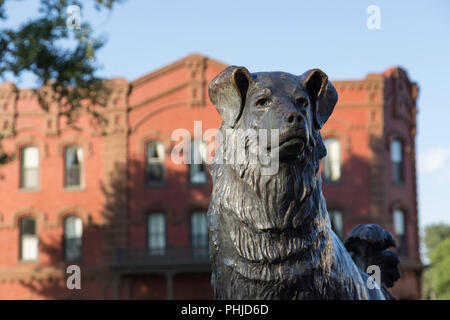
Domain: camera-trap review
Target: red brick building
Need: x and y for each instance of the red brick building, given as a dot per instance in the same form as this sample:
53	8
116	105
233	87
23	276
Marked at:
109	198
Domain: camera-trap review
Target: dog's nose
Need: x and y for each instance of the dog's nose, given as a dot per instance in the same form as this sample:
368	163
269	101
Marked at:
294	117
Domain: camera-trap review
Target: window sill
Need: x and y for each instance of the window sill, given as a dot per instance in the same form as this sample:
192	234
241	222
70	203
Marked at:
155	185
21	261
76	262
70	189
332	182
31	190
198	184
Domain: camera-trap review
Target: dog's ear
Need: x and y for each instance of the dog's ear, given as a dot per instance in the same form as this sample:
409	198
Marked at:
322	94
228	91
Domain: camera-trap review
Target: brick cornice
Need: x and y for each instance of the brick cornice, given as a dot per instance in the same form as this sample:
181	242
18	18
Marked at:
186	61
152	136
13	223
156	206
156	111
75	140
157	73
160	95
199	205
31	140
81	212
406	139
341	135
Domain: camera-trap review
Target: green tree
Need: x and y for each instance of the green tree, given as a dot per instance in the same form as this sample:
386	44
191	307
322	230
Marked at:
434	234
436	279
59	52
440	261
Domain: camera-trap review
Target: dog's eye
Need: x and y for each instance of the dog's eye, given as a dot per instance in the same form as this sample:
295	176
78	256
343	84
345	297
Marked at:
302	102
262	102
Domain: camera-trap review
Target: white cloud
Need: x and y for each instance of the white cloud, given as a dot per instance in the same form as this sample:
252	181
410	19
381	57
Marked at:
444	177
434	160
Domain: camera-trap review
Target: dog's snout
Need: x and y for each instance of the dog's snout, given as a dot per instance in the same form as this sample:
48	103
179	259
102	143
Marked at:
294	117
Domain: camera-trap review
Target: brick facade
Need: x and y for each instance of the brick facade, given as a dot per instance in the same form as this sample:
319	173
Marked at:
114	202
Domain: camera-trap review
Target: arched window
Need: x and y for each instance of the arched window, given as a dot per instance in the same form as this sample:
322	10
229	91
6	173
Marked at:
29	241
73	166
397	161
199	233
197	167
73	235
400	231
332	161
337	222
154	164
156	233
29	173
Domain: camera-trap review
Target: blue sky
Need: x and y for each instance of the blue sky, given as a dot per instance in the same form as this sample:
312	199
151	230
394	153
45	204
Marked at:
294	36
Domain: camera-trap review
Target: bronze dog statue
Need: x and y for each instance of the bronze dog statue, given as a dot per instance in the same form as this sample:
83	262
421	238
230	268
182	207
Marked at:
270	235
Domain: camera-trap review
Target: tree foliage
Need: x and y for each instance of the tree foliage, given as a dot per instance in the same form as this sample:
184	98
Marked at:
437	277
62	58
434	234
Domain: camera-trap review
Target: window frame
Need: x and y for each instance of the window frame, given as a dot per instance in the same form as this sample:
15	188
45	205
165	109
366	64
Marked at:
80	258
402	243
400	164
191	154
22	186
324	178
21	237
81	186
162	162
199	251
330	210
162	250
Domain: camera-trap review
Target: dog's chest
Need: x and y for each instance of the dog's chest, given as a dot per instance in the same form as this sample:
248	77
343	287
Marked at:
307	285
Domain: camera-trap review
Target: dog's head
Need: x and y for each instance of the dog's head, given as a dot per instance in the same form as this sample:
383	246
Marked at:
297	106
278	210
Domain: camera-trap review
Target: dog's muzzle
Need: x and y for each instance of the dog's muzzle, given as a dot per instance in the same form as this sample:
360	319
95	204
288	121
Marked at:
290	147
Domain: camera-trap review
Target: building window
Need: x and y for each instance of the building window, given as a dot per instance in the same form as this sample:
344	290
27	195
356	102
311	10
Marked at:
156	233
154	165
400	231
397	161
29	168
73	234
197	168
332	161
337	222
73	166
199	233
28	239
